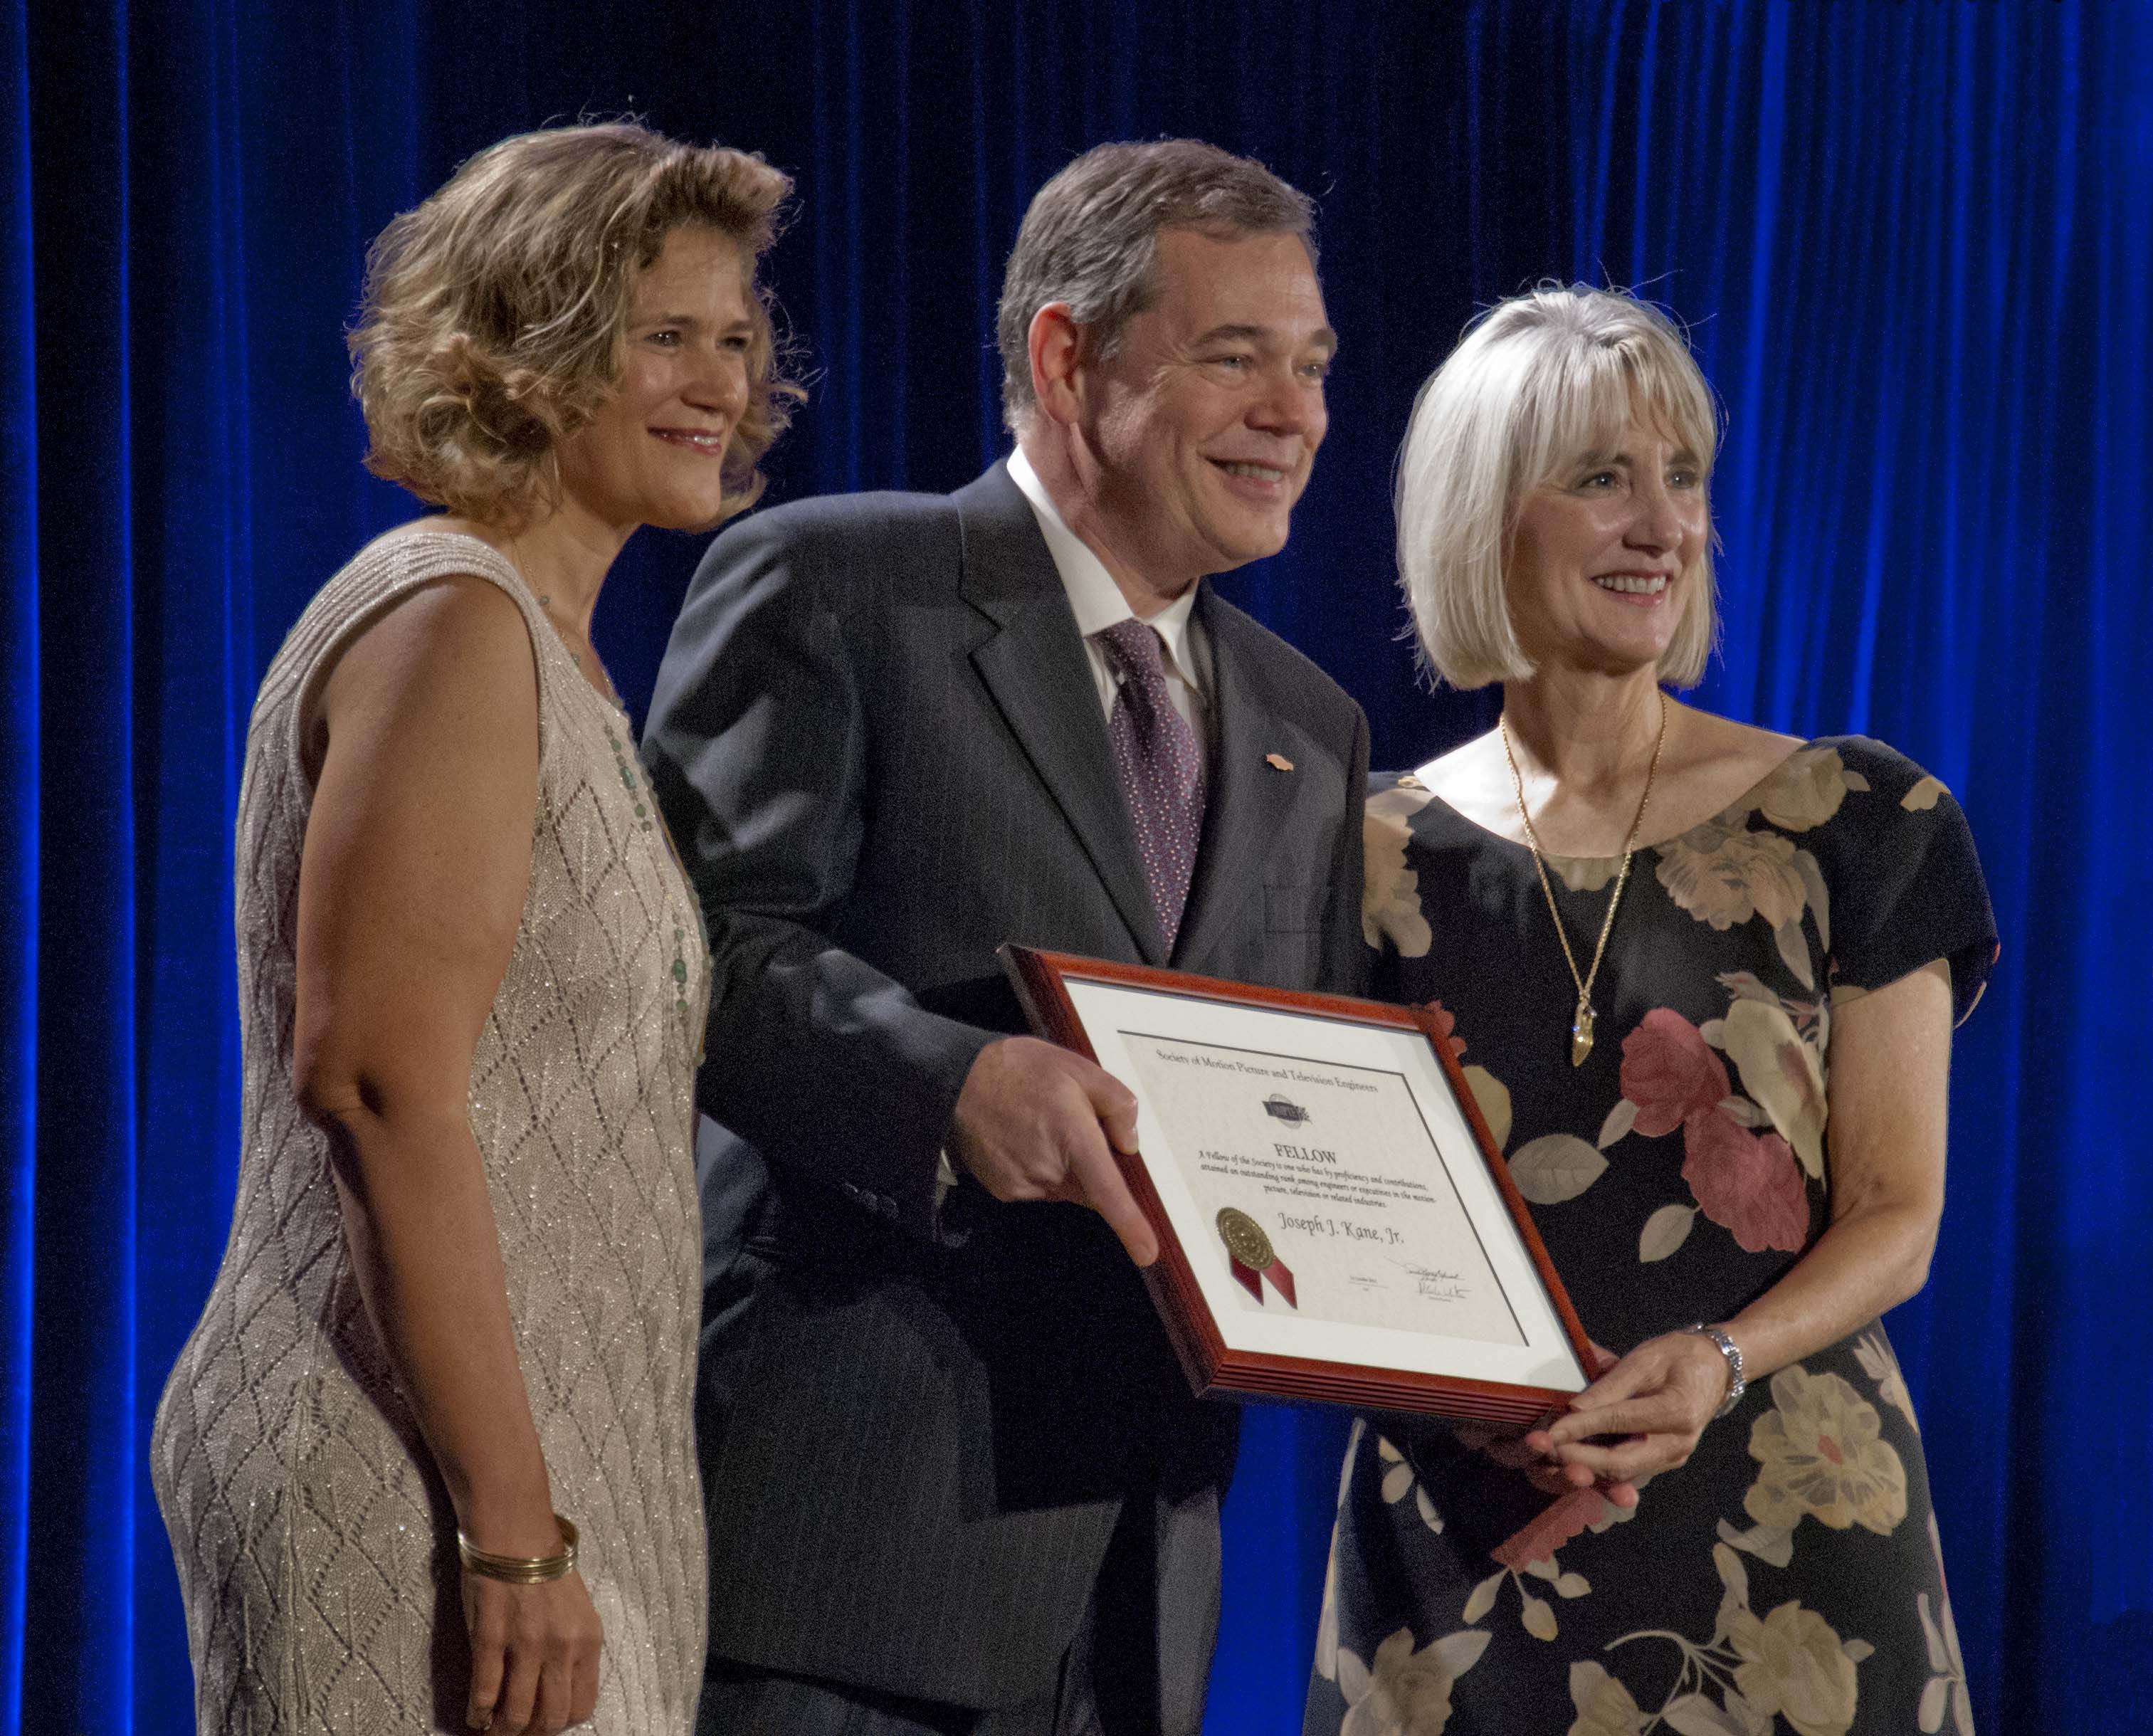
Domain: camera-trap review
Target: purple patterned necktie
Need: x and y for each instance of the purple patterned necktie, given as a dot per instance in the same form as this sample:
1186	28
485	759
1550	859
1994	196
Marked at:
1162	768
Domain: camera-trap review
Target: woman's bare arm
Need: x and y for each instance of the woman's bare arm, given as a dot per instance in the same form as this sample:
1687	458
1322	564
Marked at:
1891	1064
411	887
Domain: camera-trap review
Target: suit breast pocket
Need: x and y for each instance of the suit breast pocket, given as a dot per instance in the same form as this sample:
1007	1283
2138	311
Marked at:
1293	910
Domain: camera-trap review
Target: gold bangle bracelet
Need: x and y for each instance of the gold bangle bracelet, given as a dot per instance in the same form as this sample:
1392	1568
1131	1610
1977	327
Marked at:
521	1569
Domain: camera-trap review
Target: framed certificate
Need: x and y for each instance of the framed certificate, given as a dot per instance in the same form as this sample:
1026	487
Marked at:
1334	1222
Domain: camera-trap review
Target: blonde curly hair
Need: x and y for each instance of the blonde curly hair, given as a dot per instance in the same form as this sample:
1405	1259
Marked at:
494	315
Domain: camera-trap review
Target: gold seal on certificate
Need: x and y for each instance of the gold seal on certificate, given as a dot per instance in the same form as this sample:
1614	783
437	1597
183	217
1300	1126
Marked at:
1245	1239
1334	1221
1251	1257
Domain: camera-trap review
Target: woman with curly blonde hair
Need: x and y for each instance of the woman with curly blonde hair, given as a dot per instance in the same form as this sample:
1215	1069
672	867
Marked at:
427	1458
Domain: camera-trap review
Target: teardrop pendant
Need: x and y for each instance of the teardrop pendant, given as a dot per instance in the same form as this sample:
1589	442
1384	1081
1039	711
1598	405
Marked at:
1581	1034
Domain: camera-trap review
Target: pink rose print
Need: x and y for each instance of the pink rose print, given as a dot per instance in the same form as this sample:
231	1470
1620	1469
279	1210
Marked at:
1670	1072
1561	1520
1750	1185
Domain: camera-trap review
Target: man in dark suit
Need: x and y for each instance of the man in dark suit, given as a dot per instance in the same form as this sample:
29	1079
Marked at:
955	1481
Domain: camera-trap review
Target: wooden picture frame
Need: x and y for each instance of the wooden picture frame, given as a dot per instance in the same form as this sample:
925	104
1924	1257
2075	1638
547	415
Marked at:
1420	1282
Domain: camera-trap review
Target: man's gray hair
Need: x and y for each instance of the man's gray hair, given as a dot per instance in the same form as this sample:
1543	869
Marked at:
1091	232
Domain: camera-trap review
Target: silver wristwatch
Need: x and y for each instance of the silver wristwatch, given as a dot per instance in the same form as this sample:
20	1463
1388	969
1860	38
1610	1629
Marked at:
1736	1384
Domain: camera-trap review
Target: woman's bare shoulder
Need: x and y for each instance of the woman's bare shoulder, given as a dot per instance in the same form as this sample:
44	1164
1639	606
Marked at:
1474	779
457	626
1461	765
1732	746
456	650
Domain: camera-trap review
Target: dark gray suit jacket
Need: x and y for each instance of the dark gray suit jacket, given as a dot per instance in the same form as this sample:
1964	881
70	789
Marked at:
876	738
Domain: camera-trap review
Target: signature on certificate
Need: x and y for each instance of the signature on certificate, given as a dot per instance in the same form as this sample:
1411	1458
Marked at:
1435	1285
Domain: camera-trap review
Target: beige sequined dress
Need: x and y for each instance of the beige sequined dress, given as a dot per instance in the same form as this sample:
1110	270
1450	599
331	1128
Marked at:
313	1536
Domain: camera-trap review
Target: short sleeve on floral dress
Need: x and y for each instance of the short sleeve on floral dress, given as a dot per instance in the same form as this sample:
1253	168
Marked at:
1788	1577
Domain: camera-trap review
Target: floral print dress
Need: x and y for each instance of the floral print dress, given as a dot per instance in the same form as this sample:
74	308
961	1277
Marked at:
1787	1578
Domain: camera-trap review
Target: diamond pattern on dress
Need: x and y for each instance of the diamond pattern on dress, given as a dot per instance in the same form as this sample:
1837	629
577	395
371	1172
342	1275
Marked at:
310	1530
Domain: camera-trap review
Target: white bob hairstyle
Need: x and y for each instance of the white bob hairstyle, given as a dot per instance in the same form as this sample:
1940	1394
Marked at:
1537	384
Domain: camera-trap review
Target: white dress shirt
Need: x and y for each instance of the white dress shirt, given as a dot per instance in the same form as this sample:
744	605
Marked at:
1098	604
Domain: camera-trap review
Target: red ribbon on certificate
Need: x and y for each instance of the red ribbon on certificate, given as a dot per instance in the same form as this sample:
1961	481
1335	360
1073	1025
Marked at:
1253	1277
1252	1259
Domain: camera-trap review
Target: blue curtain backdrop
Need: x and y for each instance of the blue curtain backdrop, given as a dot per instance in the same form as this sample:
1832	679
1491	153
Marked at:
1914	243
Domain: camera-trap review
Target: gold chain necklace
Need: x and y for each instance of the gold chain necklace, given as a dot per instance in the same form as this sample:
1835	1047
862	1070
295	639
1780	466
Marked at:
1581	1023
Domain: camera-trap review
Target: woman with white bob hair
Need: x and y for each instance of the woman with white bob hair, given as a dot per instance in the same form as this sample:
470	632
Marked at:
1704	978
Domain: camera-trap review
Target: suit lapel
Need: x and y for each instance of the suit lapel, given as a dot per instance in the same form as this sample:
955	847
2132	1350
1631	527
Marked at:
1247	799
1036	668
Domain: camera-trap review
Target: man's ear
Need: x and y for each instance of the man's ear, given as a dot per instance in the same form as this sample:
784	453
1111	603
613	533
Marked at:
1055	342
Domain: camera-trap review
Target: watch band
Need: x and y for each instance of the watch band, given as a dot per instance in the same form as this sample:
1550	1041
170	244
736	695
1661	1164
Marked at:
1737	1384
